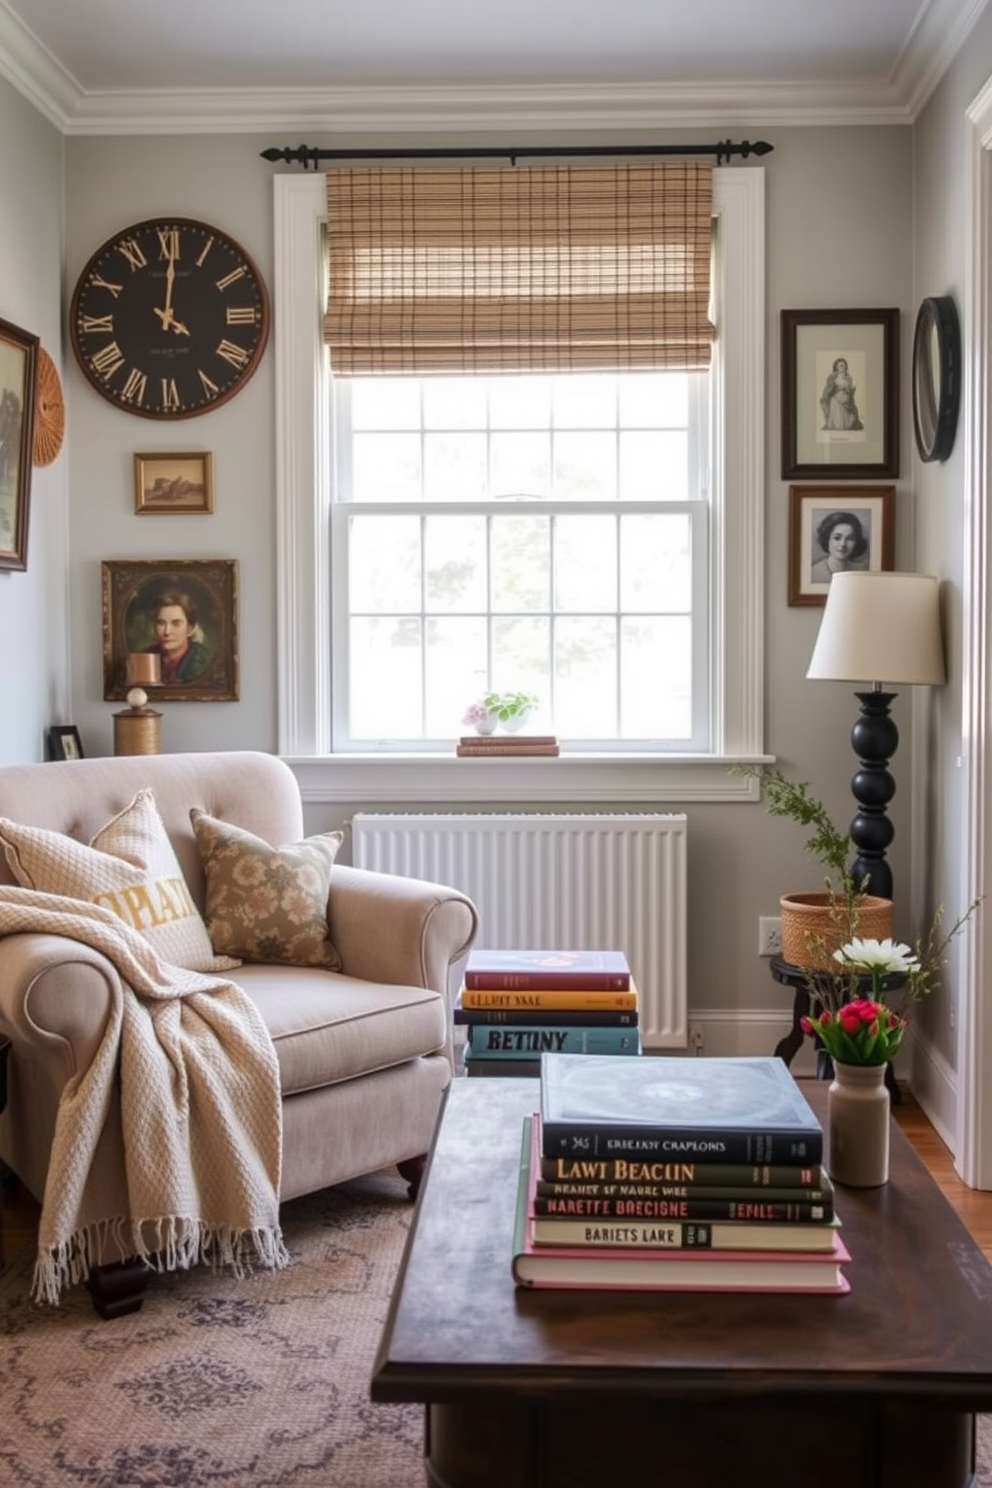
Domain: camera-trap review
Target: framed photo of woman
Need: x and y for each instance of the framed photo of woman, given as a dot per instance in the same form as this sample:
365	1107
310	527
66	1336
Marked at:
836	529
840	394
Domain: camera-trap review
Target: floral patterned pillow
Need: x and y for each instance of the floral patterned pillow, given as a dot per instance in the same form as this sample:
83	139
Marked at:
267	903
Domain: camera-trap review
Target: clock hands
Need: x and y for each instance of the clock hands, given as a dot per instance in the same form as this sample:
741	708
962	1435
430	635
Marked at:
165	315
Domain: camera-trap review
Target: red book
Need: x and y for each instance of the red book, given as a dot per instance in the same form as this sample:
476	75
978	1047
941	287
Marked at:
544	971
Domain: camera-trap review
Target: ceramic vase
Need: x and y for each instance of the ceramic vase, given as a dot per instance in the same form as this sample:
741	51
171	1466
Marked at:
858	1126
487	725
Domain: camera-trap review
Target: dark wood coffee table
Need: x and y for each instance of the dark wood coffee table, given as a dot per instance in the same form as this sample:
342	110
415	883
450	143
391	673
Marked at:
559	1389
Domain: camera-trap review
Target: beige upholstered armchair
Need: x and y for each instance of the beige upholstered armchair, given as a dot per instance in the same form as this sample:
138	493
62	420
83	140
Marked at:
363	1052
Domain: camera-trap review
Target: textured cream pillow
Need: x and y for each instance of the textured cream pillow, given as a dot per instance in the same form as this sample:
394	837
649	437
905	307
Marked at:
130	868
267	903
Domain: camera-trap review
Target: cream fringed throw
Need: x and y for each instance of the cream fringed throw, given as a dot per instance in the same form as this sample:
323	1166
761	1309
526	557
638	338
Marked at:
200	1113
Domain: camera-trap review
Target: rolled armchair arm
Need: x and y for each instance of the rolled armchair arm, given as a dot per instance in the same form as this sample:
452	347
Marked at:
401	931
56	994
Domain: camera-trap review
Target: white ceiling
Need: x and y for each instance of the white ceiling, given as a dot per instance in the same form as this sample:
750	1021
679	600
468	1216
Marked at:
103	66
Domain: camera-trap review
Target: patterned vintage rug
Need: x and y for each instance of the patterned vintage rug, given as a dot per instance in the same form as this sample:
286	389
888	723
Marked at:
221	1384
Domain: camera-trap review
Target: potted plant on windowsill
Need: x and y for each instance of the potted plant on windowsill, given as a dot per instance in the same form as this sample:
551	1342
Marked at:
816	924
506	710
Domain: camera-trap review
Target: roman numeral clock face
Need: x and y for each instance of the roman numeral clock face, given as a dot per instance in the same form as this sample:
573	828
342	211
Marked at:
169	318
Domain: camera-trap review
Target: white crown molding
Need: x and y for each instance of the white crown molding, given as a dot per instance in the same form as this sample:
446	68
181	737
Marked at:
589	107
33	71
939	32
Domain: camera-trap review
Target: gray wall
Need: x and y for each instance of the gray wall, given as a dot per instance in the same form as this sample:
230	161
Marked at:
840	233
34	658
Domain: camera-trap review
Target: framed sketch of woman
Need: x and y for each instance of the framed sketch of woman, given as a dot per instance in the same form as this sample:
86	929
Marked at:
837	530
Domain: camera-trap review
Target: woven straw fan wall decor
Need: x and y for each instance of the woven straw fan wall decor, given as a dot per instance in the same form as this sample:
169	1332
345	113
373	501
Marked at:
49	411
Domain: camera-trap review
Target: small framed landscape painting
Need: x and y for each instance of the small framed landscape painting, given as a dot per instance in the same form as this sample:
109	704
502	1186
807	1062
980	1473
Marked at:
173	483
833	529
183	610
840	394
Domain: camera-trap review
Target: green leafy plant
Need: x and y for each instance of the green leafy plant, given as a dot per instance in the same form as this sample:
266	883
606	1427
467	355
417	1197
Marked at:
794	799
507	705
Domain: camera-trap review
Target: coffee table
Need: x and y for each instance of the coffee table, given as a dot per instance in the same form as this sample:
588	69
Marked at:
559	1389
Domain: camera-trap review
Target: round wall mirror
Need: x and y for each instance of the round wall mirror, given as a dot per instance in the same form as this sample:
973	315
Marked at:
936	377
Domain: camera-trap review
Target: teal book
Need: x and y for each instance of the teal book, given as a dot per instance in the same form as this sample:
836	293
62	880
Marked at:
720	1110
506	1041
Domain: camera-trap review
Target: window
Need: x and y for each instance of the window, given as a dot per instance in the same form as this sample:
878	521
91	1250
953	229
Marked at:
544	533
735	539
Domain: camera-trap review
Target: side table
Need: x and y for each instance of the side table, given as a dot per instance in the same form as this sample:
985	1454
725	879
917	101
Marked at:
790	975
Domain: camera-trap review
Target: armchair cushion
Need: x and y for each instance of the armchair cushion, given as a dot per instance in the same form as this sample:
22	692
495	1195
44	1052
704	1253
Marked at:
267	903
130	868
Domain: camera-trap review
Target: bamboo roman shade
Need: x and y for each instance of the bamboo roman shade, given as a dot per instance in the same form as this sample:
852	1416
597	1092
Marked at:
524	269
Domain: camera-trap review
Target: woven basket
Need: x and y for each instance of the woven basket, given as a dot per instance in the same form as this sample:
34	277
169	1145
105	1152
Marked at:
815	925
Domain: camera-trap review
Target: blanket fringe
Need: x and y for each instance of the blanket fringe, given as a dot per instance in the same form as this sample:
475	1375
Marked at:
180	1243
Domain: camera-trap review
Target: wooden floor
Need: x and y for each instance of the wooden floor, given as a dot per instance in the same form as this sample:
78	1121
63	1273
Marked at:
20	1212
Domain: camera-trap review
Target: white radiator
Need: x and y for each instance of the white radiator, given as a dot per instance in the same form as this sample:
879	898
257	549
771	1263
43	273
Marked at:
597	882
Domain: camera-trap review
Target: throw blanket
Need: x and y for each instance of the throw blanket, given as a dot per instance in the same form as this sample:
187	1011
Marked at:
200	1113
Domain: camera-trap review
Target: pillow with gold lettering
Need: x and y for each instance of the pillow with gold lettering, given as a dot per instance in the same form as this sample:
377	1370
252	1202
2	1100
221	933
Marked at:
130	868
267	903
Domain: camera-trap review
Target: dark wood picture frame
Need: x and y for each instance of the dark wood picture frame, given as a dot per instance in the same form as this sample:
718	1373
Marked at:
18	376
840	422
64	742
205	591
173	483
867	513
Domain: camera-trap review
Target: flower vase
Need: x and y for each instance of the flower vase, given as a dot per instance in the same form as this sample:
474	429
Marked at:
858	1125
487	725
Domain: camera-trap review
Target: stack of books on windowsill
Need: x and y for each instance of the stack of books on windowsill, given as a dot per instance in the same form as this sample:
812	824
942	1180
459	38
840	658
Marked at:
508	746
517	1005
675	1174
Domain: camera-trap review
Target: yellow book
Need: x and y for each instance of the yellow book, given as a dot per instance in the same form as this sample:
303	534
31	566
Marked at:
561	998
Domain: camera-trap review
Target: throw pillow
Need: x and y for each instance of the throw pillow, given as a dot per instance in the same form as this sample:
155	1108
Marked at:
130	868
267	903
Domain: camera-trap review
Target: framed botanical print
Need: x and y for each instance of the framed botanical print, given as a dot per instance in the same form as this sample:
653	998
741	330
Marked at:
185	611
840	394
18	371
836	528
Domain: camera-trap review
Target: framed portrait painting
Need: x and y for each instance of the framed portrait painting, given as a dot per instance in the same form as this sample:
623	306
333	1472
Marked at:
840	394
185	611
837	528
18	372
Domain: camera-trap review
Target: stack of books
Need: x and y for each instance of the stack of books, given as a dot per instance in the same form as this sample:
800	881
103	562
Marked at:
485	746
518	1005
673	1174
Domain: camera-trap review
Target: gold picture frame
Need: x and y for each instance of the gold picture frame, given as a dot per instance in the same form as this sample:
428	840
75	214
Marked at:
199	596
18	373
173	482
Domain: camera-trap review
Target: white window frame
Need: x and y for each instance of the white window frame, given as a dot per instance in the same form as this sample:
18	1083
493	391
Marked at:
304	557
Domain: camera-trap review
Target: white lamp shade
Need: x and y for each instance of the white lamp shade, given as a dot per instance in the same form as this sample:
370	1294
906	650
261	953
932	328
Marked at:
880	627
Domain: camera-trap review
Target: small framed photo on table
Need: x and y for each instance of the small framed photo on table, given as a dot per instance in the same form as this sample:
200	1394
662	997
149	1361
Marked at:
835	528
840	394
64	742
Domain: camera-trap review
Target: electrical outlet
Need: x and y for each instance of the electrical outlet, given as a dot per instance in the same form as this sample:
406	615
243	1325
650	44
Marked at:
696	1037
769	935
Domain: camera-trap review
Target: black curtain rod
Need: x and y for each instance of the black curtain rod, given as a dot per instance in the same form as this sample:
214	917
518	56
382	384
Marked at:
308	155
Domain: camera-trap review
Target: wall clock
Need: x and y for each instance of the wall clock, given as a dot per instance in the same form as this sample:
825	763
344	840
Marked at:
169	318
936	377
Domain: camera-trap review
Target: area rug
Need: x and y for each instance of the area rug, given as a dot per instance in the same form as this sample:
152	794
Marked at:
262	1383
217	1383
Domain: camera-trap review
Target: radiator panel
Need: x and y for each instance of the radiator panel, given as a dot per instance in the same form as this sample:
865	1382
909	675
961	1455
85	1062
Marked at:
602	882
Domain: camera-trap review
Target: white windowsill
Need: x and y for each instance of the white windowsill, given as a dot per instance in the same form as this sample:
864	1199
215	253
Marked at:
416	778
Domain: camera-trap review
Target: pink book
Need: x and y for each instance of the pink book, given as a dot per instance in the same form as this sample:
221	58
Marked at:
669	1267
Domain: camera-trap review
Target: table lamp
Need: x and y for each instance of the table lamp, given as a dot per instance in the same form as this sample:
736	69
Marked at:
138	728
886	627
